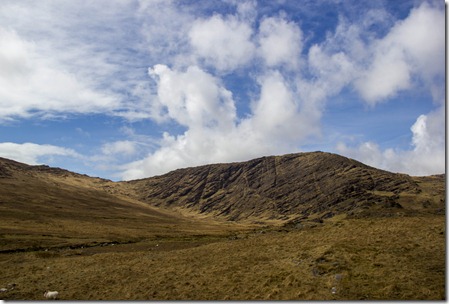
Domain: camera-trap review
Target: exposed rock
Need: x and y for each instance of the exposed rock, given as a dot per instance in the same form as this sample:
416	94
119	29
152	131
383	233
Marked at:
276	187
296	188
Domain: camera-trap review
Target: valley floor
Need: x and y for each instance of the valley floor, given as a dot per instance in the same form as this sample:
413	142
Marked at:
397	258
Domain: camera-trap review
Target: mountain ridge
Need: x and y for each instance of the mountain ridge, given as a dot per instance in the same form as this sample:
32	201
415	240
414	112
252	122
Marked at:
312	184
286	188
289	227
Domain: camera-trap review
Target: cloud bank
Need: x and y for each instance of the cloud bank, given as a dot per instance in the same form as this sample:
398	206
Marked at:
237	79
33	154
287	109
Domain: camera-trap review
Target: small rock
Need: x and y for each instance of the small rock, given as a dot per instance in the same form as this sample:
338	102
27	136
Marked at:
11	286
315	272
334	290
3	289
338	276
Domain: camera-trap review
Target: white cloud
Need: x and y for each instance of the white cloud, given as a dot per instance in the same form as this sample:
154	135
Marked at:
200	146
193	98
276	114
331	71
280	42
32	83
428	134
388	75
66	57
409	57
426	157
413	47
224	42
421	36
198	101
289	107
31	153
164	30
59	58
124	147
370	153
246	10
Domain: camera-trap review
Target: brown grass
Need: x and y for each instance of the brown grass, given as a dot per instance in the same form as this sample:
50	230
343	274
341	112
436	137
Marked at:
66	233
375	259
37	214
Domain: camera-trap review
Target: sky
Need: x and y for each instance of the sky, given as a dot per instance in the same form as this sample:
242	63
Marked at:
127	89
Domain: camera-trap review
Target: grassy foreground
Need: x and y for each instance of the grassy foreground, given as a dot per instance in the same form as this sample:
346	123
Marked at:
398	258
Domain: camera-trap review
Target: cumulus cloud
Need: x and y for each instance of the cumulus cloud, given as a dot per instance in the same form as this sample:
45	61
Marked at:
223	42
276	114
246	10
332	71
413	47
31	153
426	157
280	42
428	134
198	101
56	60
287	110
388	75
410	55
193	98
164	29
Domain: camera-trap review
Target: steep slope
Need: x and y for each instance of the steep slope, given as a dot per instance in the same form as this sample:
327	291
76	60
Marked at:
43	207
297	186
92	239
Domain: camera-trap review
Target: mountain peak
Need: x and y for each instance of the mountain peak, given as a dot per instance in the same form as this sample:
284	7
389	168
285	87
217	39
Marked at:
313	184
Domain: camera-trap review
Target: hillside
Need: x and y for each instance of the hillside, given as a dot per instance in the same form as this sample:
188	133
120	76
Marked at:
308	226
43	207
291	187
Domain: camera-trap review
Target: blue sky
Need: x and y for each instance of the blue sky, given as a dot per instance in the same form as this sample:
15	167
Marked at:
131	89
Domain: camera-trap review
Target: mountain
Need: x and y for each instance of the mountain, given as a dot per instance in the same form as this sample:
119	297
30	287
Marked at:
43	207
314	185
307	226
290	188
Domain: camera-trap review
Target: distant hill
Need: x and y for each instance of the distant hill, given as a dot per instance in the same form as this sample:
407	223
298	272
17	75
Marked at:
43	207
307	226
10	168
314	185
290	188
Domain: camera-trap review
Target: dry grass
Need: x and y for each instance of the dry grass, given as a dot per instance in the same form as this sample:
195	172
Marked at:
375	259
64	232
44	213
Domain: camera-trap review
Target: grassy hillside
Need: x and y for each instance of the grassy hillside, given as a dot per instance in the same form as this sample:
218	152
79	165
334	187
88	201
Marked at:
93	239
41	210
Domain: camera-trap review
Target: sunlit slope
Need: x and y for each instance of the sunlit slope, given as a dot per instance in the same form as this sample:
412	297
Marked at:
42	207
311	226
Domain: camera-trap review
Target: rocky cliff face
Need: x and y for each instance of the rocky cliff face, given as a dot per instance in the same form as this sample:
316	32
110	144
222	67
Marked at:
291	188
316	185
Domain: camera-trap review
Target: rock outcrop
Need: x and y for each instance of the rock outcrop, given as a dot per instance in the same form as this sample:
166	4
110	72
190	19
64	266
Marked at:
277	187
